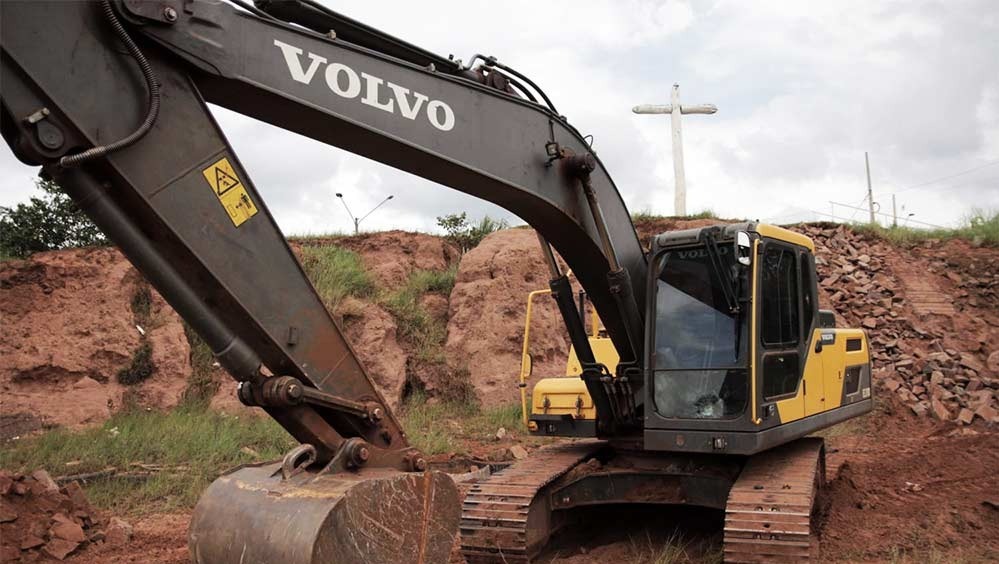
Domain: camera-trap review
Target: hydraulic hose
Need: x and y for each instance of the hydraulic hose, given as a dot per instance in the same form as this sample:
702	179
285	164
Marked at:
154	98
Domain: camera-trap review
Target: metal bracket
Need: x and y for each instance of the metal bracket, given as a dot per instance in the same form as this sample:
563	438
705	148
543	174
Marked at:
161	11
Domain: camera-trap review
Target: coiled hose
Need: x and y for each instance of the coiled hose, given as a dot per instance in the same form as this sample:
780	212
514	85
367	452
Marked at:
154	99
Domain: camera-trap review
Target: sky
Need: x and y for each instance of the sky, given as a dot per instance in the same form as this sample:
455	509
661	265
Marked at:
803	89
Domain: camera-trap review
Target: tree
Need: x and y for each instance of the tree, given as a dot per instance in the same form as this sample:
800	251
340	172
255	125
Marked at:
51	221
467	236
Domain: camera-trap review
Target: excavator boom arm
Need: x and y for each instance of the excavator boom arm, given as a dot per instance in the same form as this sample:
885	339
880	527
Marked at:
182	207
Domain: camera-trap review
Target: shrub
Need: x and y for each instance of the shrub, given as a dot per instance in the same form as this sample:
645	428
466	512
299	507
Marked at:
141	367
465	235
52	221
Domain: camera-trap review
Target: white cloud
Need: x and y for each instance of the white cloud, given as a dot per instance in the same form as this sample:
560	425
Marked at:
803	89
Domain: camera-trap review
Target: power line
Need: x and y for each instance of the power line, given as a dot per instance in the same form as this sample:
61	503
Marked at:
949	176
888	215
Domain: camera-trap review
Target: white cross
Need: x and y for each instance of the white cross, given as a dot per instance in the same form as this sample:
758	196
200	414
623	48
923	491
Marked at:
675	109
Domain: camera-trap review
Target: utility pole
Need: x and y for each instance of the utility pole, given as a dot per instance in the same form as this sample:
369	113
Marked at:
894	212
674	109
870	194
358	220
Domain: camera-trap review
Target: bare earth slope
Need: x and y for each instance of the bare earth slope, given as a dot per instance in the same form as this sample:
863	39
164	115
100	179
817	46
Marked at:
915	480
68	329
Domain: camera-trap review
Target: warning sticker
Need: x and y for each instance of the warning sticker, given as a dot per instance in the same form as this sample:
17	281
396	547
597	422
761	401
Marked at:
230	191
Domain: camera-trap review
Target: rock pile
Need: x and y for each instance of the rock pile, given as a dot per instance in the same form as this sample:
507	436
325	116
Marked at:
40	520
939	366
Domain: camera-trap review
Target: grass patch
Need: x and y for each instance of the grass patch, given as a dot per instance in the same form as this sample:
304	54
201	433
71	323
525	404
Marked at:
200	443
647	215
981	227
444	427
647	551
201	385
140	367
415	324
703	214
323	236
142	304
336	273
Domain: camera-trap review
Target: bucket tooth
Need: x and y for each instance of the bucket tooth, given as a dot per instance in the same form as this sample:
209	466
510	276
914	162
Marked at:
253	516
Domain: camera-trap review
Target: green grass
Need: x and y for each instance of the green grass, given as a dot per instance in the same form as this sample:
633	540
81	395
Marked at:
647	551
140	367
981	226
336	273
703	214
325	236
201	385
200	443
142	304
443	427
648	215
426	333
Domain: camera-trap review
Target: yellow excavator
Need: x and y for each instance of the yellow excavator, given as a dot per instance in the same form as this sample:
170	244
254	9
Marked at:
725	379
716	365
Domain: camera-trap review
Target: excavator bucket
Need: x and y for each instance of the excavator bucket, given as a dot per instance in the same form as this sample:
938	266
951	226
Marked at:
259	515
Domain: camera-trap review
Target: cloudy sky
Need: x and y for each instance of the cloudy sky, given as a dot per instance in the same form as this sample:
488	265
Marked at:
803	89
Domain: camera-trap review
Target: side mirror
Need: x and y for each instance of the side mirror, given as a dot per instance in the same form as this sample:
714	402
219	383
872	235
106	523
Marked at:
743	248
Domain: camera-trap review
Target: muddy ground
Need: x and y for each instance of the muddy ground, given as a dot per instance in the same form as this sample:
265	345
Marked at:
899	488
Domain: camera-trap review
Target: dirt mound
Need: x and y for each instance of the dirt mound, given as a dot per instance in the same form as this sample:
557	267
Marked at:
931	337
373	334
70	325
391	256
486	316
912	491
40	520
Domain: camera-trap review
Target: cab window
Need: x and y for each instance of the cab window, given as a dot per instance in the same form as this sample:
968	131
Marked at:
700	345
779	321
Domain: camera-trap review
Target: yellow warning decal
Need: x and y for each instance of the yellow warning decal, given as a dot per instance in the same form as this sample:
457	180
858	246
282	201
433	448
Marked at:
230	191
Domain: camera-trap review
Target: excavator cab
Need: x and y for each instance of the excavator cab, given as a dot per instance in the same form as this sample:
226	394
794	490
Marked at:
739	357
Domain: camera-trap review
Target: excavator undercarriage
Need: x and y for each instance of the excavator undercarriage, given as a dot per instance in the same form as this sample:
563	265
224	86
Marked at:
769	499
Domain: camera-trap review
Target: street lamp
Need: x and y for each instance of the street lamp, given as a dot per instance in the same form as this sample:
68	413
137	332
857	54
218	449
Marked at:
357	221
674	109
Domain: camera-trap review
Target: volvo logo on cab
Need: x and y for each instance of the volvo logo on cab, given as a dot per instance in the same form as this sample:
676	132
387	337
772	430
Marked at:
347	83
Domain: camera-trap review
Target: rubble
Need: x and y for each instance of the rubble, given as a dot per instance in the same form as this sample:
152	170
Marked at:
939	366
40	520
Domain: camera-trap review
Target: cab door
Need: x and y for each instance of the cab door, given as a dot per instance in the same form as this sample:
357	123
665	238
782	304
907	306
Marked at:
814	377
780	358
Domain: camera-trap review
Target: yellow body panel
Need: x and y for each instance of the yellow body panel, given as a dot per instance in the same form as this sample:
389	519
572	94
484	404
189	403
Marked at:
821	388
785	235
562	393
815	378
603	351
793	408
562	396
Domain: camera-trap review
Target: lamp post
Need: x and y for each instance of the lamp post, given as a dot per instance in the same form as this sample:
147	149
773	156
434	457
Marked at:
358	220
674	109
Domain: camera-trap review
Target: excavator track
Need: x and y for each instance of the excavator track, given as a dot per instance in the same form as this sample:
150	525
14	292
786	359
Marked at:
768	517
507	518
